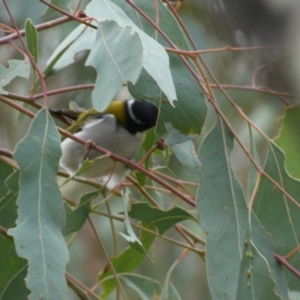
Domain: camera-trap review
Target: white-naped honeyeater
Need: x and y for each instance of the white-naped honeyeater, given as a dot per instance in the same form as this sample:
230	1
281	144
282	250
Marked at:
119	129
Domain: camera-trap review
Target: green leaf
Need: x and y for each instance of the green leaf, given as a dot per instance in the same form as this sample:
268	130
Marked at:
146	287
259	270
77	217
31	39
16	288
131	237
184	150
8	207
126	262
163	220
11	266
41	214
288	139
16	68
277	214
223	213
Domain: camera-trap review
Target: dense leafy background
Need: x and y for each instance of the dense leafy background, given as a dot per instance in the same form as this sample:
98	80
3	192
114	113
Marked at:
210	195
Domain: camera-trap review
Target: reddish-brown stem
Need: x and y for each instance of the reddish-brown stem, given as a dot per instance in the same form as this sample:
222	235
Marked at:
175	13
46	25
3	230
284	262
71	278
150	151
74	17
51	93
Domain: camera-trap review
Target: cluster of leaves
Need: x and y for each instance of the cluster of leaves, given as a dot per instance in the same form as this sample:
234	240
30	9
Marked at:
248	238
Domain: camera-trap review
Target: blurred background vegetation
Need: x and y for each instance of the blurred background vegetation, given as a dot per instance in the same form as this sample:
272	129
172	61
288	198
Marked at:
212	24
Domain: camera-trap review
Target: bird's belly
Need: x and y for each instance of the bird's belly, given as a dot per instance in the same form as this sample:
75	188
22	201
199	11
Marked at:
121	143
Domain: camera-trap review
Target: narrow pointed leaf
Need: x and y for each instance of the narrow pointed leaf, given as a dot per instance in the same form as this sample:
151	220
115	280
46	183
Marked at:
261	277
41	214
277	214
31	39
130	237
223	213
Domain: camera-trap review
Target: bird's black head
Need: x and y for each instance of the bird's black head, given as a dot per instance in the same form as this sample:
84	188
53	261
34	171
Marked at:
140	115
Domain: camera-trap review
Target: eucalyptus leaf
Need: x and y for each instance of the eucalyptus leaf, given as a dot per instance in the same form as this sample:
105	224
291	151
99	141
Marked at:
31	39
41	214
17	68
163	220
223	213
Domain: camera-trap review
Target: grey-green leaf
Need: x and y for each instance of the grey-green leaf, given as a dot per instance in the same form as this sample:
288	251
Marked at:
223	213
114	63
130	237
184	150
277	213
146	287
259	270
16	68
118	49
77	217
41	214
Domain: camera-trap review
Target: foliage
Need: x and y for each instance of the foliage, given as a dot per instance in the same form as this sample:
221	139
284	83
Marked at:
246	229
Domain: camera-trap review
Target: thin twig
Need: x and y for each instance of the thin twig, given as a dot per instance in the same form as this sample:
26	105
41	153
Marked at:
70	277
283	261
108	258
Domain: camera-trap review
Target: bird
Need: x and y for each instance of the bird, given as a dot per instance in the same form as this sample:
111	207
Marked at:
119	129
